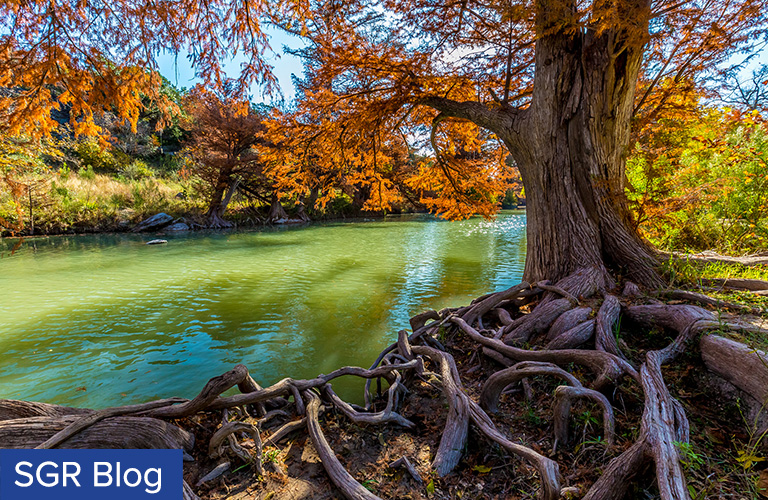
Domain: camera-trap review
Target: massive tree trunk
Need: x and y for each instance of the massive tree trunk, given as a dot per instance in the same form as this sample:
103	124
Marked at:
571	155
570	145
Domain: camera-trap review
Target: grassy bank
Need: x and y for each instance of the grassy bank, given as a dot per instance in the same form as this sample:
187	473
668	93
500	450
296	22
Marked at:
69	202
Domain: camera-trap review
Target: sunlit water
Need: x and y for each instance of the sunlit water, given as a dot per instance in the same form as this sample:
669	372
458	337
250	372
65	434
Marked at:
106	320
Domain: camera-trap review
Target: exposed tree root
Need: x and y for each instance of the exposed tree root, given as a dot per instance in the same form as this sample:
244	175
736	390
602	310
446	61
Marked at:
744	367
215	221
564	396
607	317
709	256
260	418
568	320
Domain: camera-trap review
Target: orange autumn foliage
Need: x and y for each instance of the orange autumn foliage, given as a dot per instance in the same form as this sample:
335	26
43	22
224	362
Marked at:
381	75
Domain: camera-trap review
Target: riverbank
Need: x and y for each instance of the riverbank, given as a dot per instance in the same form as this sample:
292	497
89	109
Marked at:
414	438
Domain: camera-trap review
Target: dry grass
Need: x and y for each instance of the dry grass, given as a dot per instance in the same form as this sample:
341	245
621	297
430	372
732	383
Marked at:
92	202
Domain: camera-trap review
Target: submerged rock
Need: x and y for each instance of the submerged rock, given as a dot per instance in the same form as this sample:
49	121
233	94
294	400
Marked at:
157	242
179	226
153	223
288	221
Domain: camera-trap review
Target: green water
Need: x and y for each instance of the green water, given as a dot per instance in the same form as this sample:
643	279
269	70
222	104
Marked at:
106	320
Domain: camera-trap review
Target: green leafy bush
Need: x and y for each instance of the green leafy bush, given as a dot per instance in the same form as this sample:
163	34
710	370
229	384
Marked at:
709	189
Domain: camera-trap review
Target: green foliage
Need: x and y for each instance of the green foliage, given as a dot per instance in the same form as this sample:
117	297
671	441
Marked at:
690	272
706	187
87	173
688	456
94	157
137	169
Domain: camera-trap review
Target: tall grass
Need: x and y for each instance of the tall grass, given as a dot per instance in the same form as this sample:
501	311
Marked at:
82	202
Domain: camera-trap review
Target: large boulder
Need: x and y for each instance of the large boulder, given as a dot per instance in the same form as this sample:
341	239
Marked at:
153	223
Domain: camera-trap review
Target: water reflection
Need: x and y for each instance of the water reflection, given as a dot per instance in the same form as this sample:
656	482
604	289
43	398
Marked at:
106	320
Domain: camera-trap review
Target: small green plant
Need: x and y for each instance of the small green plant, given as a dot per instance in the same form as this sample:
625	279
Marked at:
531	417
586	419
598	441
87	173
688	457
370	484
135	170
270	456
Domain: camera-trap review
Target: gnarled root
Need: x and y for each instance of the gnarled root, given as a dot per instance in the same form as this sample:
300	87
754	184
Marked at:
348	486
564	395
496	383
557	325
548	469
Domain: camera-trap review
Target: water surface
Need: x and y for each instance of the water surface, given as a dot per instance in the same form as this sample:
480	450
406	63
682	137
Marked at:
106	320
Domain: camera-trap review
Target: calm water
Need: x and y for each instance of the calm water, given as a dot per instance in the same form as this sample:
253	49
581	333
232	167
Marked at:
105	320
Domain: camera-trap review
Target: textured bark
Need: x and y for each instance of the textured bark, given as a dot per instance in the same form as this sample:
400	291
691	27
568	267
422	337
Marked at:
571	151
659	429
456	430
11	409
607	318
532	324
575	337
115	432
620	473
496	383
564	395
571	142
548	469
568	320
90	419
276	211
350	488
491	301
225	432
606	366
222	192
739	364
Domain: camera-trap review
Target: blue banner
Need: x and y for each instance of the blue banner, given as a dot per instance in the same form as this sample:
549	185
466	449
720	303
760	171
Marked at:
91	474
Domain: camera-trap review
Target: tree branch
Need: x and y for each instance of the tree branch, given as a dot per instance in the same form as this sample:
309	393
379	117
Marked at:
503	122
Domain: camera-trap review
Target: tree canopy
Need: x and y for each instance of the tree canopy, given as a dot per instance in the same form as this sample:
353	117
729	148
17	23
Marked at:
376	72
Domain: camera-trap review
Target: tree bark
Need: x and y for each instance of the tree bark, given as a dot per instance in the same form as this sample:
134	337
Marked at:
571	155
218	202
570	145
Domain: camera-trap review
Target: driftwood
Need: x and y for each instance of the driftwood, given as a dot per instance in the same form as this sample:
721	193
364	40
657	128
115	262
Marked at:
114	432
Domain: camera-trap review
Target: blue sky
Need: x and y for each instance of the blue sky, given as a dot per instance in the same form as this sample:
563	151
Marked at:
178	69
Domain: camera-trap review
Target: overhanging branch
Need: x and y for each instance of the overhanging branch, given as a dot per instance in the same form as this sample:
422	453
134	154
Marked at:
504	122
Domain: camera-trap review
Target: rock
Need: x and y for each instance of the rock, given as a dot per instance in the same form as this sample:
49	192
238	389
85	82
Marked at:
288	221
178	226
154	223
157	242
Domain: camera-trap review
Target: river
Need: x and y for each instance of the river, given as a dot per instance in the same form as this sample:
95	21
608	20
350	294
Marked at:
106	320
